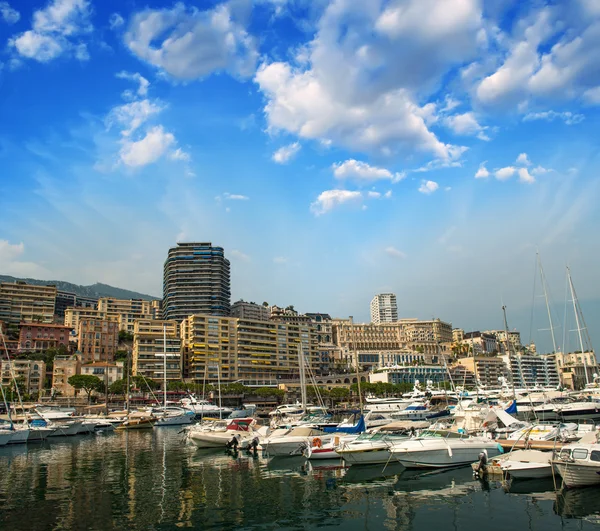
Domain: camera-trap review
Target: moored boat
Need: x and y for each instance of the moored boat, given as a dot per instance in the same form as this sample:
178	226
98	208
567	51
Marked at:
579	463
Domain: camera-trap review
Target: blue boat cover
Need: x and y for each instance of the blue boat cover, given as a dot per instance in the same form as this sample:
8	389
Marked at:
359	427
512	409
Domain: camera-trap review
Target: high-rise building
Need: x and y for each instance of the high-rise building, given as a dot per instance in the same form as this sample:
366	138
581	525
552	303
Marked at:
196	281
30	374
20	301
384	308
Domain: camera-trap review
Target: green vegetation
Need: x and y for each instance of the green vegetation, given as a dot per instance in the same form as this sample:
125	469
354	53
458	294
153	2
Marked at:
125	336
87	382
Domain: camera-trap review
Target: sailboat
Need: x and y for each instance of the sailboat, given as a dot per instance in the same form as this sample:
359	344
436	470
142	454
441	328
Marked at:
138	420
170	415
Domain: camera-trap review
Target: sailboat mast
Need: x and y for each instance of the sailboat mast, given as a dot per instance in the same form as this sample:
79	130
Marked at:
165	366
545	287
302	377
508	349
355	354
127	390
12	374
219	386
574	300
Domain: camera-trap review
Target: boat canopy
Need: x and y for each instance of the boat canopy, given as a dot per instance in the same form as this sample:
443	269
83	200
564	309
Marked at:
359	427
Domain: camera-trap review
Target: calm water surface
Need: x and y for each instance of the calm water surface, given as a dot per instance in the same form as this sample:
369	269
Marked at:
154	480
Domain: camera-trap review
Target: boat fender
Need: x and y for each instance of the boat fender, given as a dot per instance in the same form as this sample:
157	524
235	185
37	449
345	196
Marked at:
317	443
336	441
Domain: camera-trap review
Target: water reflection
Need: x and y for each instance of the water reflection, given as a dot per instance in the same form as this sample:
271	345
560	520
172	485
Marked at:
154	480
579	503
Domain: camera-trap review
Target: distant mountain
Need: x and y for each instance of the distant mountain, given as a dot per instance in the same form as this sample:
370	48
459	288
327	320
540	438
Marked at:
96	290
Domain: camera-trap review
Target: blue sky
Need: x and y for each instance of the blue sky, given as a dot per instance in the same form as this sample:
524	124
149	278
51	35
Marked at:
334	149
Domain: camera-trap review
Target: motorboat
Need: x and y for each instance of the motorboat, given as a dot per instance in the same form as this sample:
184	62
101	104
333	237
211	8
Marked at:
579	463
5	437
172	416
54	413
374	448
204	408
442	452
287	410
137	420
238	432
526	464
327	450
294	441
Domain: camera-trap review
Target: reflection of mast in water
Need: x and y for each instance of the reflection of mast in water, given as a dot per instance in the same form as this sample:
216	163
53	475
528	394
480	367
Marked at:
131	479
164	474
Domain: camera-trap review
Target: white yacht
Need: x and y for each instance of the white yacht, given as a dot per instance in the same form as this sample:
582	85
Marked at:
294	441
579	463
442	452
220	433
204	407
526	464
172	416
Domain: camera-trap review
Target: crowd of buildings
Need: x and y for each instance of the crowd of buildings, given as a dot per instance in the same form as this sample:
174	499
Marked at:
205	338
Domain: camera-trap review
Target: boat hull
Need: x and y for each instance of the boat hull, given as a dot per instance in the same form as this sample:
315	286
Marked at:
178	420
442	454
519	470
19	436
578	475
366	455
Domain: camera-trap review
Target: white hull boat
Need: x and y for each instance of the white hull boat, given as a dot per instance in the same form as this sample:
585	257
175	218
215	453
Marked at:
19	436
66	429
437	452
526	464
579	463
5	437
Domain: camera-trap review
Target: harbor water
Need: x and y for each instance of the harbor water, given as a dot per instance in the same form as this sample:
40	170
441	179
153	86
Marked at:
155	480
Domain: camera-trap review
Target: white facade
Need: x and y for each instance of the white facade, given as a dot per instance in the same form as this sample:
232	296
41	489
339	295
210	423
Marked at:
384	308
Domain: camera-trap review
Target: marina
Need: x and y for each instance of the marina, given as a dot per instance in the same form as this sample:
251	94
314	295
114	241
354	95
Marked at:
154	479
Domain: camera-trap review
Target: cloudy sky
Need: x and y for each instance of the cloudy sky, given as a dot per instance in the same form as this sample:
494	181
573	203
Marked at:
335	149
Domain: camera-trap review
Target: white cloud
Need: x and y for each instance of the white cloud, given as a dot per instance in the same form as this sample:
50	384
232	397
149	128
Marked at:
235	197
53	31
132	115
592	96
394	253
358	85
330	199
373	195
10	15
286	153
10	263
147	150
505	173
523	160
115	21
482	172
549	56
539	170
179	154
568	117
281	260
525	176
361	171
189	43
143	83
299	103
239	255
388	194
466	124
428	187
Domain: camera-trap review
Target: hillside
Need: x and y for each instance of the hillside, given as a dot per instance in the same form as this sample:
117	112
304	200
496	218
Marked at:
95	290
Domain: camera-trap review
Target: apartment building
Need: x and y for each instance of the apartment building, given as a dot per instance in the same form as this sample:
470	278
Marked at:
20	301
74	315
97	340
573	366
29	374
514	340
531	370
245	350
126	311
107	372
149	349
250	310
196	281
39	336
481	343
384	308
410	374
64	367
487	370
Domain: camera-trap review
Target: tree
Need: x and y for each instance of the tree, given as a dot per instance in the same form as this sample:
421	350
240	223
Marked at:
338	394
118	387
125	336
145	383
265	304
87	382
176	386
121	355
